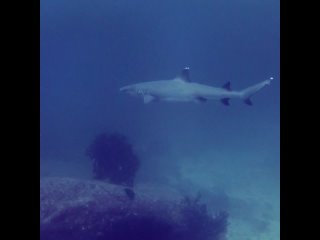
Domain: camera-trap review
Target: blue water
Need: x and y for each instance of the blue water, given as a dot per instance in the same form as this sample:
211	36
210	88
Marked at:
89	49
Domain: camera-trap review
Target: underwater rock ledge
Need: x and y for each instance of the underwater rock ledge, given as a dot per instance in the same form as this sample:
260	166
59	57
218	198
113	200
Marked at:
73	209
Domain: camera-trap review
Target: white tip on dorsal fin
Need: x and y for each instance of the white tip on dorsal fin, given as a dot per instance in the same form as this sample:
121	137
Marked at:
185	74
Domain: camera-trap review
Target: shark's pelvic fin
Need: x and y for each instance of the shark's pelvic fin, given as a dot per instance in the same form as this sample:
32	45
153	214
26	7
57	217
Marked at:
227	86
185	74
201	99
225	101
148	98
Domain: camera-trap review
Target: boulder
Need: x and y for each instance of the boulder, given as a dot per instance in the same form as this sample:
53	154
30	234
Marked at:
73	209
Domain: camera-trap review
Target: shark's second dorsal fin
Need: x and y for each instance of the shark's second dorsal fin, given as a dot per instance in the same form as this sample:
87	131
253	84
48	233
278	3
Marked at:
227	86
185	74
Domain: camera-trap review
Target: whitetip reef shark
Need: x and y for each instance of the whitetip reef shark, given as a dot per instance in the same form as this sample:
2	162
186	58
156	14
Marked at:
182	89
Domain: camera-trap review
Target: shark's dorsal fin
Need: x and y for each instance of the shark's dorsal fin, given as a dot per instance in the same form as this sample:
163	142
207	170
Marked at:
227	86
185	74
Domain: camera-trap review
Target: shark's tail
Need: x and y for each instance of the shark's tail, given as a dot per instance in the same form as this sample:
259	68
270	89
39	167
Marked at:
248	92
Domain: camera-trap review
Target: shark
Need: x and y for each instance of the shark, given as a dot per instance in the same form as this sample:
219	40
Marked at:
182	89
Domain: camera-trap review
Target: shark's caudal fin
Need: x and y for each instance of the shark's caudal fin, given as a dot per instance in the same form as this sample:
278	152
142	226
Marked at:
248	92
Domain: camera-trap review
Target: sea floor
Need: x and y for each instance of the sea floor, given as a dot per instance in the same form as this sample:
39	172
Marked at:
253	194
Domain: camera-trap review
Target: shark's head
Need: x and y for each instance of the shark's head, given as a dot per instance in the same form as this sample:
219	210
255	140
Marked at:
134	90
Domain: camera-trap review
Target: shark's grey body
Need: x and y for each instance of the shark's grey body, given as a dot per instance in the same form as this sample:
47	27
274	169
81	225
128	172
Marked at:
181	89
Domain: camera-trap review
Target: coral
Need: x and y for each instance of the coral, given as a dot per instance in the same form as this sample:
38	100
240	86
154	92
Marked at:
113	159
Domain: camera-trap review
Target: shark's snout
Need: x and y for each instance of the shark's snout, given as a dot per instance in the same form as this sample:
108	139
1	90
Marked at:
124	89
129	90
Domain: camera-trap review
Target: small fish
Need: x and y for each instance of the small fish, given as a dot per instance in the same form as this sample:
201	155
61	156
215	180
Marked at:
130	193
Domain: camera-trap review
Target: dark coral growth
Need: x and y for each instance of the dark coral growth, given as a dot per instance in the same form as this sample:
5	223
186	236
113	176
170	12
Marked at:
113	159
199	224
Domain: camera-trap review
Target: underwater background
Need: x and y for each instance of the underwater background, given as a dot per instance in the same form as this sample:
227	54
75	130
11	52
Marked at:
89	49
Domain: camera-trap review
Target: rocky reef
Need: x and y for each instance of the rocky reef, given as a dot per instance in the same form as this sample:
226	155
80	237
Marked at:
72	209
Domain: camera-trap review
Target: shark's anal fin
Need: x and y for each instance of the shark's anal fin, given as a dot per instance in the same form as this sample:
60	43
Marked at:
201	99
227	86
248	101
148	98
225	101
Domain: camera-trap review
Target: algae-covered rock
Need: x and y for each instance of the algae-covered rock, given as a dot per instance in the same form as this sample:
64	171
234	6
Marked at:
73	209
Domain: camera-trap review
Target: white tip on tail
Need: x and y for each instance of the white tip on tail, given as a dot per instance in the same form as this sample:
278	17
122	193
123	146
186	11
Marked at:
248	92
268	81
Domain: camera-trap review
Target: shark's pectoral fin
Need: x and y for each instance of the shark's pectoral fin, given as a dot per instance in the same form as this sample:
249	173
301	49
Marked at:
201	99
225	101
148	98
